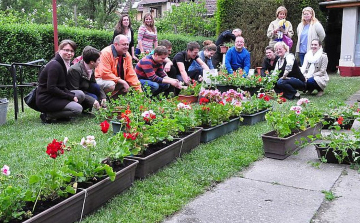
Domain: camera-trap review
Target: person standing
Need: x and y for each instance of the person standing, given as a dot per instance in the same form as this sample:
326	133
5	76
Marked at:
147	35
238	57
53	99
151	73
81	76
308	29
115	72
314	68
269	61
276	32
225	37
124	27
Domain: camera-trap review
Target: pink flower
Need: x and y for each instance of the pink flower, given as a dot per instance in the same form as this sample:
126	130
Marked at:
183	106
302	101
148	115
5	170
297	109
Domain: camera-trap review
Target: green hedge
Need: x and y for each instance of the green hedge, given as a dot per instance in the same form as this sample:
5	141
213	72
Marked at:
27	42
254	17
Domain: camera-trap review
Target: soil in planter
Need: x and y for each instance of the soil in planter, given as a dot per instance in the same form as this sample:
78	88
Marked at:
156	147
44	205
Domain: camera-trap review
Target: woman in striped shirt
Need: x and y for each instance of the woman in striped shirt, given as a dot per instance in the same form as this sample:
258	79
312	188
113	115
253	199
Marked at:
147	35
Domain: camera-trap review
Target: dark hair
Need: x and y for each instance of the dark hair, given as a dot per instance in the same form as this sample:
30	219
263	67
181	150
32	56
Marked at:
192	45
161	50
166	43
90	53
209	45
66	42
152	24
119	26
269	48
320	44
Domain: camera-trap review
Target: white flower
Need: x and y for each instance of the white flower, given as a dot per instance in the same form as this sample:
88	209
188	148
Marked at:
83	143
66	139
5	170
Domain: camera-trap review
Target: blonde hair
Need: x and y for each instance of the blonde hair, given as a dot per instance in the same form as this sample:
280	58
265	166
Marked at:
281	9
152	24
281	44
312	12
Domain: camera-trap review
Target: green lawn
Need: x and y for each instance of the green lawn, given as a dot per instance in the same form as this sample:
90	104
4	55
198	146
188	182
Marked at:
23	145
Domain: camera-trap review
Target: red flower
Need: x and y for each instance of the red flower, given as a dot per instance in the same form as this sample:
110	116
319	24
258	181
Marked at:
228	99
55	148
131	136
104	126
340	120
221	102
127	111
283	99
266	98
203	101
205	108
260	79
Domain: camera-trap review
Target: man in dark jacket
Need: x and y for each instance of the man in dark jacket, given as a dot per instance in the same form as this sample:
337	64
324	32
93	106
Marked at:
81	76
224	37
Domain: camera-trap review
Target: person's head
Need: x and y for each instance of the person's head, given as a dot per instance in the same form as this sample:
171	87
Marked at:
237	32
308	16
315	45
91	56
124	21
67	49
121	44
160	54
270	52
166	43
209	48
281	49
281	12
192	49
148	20
239	43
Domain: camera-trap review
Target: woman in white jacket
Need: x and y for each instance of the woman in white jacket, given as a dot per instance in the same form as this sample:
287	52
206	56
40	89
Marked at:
314	68
309	28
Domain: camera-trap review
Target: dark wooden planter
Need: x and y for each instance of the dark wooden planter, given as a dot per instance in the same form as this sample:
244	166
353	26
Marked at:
71	209
251	90
225	88
252	119
328	154
280	148
190	141
331	121
153	162
116	126
209	134
188	98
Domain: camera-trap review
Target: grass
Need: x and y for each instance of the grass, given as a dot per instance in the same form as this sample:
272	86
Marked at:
23	144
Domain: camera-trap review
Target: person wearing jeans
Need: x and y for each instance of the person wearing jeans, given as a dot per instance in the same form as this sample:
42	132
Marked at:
290	77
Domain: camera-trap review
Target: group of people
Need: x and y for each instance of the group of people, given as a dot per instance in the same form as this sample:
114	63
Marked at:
67	89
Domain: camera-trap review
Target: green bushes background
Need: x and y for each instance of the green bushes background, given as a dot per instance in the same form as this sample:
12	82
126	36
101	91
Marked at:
254	16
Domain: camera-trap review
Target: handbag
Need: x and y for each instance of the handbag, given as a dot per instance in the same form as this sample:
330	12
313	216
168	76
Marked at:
288	41
30	99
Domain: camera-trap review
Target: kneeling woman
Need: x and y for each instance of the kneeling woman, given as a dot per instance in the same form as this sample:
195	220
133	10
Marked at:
290	77
53	99
314	68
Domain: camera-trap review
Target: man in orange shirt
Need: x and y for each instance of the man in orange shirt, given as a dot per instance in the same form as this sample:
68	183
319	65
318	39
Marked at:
115	72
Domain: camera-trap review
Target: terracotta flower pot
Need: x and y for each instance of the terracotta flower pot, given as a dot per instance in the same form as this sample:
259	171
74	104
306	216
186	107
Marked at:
223	49
188	98
258	70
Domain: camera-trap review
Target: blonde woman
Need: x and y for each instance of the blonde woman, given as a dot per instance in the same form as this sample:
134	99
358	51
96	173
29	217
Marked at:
147	35
276	29
309	28
314	68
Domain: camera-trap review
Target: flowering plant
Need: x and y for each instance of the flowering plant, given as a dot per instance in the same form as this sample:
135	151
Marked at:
256	103
341	114
288	121
192	89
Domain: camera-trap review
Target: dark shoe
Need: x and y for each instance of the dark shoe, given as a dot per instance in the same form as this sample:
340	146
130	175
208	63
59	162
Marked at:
44	118
358	100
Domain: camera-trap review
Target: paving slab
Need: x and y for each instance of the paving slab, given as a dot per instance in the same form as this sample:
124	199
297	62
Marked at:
345	208
296	171
244	200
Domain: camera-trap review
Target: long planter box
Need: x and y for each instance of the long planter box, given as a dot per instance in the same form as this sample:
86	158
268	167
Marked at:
71	209
212	133
329	155
252	119
280	148
191	141
348	125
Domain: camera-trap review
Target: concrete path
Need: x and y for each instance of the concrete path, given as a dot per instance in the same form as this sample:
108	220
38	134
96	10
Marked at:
281	191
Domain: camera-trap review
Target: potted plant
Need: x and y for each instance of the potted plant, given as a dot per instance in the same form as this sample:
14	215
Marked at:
190	93
290	125
340	114
225	47
255	108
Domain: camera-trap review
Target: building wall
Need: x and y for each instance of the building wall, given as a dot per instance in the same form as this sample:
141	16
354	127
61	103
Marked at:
349	36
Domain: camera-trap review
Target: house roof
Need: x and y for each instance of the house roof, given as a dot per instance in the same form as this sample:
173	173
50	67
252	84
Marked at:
341	3
149	2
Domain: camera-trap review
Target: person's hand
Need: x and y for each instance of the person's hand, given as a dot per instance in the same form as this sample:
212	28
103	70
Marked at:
96	104
187	80
135	58
167	67
103	103
125	88
76	99
200	78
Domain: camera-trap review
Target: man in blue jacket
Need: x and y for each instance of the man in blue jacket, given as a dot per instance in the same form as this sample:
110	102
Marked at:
238	57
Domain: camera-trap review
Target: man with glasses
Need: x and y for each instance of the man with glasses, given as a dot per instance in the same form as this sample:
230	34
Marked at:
115	72
238	57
